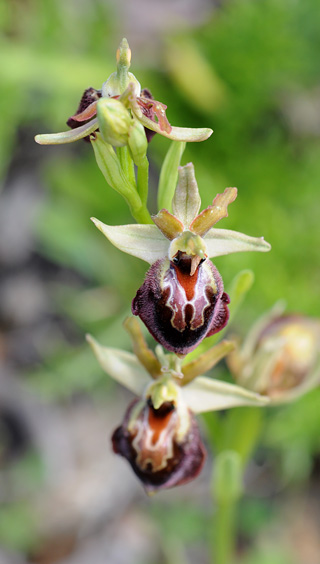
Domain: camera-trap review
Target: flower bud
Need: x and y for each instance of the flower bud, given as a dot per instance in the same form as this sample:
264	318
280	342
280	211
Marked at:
114	121
281	359
138	143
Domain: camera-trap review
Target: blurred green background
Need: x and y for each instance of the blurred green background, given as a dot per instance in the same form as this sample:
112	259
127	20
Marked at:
250	71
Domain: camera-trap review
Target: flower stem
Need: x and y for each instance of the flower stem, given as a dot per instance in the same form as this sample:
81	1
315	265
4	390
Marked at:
234	439
141	215
143	181
126	163
223	539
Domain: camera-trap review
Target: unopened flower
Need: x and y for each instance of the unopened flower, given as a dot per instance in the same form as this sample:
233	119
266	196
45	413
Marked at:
182	299
138	104
280	357
159	435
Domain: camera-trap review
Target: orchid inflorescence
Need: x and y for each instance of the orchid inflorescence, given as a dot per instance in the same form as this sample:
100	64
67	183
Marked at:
182	300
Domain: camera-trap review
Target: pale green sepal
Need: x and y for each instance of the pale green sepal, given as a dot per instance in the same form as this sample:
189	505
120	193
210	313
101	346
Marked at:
169	174
122	366
186	201
205	394
224	241
142	241
187	134
67	136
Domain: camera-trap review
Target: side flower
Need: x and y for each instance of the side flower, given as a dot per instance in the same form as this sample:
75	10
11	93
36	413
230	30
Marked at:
159	435
182	299
280	358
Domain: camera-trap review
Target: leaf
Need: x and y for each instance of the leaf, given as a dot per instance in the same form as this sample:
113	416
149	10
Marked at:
142	241
205	394
224	241
122	366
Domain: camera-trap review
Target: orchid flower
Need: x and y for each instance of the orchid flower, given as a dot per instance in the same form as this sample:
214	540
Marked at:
280	358
121	95
182	299
159	435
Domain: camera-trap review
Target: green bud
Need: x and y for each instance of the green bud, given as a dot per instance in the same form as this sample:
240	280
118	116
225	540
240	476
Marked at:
138	143
114	121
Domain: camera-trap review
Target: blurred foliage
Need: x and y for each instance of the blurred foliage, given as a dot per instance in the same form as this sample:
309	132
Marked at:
243	73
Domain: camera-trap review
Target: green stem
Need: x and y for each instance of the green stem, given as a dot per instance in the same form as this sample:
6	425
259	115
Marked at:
234	439
126	163
224	533
143	181
141	215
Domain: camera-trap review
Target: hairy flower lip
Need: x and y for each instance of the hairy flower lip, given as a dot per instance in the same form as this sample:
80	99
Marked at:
180	321
169	462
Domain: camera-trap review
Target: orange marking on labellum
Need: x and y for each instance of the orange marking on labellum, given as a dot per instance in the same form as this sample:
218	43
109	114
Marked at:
187	282
158	423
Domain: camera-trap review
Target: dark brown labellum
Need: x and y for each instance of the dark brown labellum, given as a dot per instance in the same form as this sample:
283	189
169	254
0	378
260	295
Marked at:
180	309
149	441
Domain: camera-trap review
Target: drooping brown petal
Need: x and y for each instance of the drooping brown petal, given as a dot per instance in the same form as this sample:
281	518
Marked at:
89	96
88	113
151	109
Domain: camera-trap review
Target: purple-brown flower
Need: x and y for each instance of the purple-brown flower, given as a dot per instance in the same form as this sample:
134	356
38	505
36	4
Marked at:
182	299
159	435
163	449
179	307
94	113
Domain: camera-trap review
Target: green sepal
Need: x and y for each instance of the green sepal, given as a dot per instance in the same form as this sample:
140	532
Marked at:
186	201
122	366
169	174
67	136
